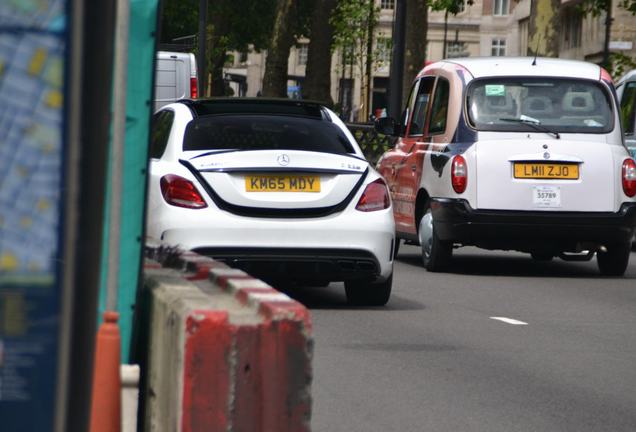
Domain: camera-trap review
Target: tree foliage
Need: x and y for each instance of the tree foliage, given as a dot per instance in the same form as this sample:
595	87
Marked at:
232	25
597	7
353	22
453	7
179	18
619	63
291	21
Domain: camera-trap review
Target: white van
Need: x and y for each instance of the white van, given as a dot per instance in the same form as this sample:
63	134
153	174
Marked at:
176	77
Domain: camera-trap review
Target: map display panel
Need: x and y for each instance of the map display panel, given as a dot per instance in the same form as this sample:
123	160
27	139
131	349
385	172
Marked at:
33	42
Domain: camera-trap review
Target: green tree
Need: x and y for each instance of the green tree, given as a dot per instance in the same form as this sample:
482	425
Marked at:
291	21
618	63
179	18
596	7
276	63
232	25
354	22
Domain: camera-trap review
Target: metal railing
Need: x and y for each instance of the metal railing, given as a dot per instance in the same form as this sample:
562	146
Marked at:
373	145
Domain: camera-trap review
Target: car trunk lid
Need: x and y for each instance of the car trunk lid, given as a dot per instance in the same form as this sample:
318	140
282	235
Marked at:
278	179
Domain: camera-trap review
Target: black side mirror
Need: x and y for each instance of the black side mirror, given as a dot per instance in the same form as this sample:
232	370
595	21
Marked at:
386	126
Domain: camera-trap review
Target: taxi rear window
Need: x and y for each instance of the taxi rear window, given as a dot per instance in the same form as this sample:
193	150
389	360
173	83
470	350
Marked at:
562	105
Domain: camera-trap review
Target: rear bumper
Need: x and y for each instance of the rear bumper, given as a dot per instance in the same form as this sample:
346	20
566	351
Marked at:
346	245
456	221
299	264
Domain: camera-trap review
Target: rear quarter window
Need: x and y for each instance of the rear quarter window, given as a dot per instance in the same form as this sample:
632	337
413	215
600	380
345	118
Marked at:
160	132
628	107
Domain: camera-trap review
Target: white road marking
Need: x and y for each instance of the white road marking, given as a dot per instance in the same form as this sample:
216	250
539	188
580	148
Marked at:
509	320
269	297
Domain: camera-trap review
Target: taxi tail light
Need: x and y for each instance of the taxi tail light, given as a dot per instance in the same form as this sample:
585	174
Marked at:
375	197
181	192
459	174
629	177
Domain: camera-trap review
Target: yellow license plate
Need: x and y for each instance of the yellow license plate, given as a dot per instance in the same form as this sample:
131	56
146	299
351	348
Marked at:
546	170
282	183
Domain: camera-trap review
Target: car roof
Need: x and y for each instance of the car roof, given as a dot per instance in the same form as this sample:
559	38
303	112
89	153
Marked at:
481	67
275	106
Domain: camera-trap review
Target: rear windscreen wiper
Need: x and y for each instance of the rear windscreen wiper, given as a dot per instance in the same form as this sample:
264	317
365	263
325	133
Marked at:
531	121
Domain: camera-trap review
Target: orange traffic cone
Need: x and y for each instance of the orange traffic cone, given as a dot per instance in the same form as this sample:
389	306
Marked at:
106	403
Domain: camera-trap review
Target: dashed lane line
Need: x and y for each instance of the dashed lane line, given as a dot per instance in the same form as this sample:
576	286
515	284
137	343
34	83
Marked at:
509	320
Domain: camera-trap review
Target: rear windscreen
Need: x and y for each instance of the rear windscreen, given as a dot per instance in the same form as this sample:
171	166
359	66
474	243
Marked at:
561	104
264	132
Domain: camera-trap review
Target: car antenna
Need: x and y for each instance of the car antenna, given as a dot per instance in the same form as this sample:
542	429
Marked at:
536	51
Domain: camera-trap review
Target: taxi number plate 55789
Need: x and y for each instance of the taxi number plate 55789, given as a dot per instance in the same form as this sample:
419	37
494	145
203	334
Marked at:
546	196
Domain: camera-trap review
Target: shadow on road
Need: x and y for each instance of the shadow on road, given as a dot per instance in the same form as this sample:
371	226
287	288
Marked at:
333	297
497	263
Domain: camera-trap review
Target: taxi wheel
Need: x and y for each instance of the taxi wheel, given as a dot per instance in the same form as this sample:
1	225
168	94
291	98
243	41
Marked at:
365	293
614	261
436	253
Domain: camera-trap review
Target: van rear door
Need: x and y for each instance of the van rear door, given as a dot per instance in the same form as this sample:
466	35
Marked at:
172	81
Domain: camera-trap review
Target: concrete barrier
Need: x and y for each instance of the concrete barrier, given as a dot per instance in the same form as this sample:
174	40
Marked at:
225	351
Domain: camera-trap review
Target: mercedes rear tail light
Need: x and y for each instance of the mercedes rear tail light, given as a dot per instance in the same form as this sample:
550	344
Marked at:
181	192
629	177
375	197
459	174
193	88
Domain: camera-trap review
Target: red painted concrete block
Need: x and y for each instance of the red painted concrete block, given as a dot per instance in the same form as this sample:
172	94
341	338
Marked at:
206	383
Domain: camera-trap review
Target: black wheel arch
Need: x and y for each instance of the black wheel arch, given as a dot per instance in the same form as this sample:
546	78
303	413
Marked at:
420	205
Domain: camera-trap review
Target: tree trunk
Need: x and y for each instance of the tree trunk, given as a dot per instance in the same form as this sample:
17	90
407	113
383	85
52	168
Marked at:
275	78
217	49
317	84
369	64
415	43
543	39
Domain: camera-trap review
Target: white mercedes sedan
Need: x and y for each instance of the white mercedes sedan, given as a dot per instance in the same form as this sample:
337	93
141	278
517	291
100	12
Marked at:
278	188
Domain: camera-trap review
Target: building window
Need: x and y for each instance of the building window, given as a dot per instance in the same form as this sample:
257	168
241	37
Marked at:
456	49
500	7
383	51
303	51
498	47
387	4
461	7
571	25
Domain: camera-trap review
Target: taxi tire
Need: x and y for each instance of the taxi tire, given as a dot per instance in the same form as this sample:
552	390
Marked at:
440	254
614	261
366	293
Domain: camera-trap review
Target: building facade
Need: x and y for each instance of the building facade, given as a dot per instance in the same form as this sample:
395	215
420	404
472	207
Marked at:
484	28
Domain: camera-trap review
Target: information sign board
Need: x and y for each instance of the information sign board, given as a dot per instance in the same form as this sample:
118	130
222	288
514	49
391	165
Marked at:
33	40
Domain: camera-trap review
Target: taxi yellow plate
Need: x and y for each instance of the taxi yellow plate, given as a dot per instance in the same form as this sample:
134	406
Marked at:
542	170
282	183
